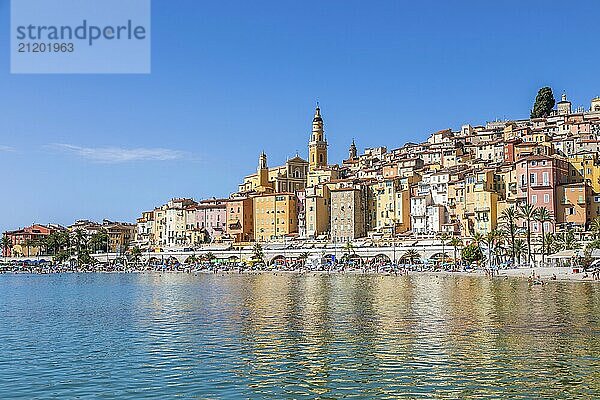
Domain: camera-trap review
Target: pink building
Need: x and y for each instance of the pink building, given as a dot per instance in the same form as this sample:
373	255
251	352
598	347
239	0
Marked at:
538	178
211	215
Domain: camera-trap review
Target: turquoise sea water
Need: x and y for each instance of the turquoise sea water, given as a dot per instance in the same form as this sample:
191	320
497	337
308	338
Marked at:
296	336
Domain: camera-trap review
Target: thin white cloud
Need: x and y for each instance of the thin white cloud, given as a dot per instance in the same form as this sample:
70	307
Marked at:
114	155
7	149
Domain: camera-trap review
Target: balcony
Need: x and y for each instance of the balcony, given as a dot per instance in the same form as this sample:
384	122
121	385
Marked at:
535	185
541	185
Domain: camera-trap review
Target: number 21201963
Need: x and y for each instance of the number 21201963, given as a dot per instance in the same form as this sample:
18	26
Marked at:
36	47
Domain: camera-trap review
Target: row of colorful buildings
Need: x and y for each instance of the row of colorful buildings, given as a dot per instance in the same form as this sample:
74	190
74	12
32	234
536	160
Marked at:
31	241
456	182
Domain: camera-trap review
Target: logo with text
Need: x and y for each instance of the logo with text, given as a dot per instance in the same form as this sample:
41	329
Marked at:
80	36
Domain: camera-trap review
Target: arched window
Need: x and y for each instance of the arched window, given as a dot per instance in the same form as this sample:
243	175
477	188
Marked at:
320	158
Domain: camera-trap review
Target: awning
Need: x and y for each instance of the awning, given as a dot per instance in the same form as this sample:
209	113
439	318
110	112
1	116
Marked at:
564	254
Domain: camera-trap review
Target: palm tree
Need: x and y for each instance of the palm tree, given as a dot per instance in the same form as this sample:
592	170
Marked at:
80	248
443	237
6	244
543	215
191	259
39	243
303	257
348	250
411	256
80	241
595	227
29	243
136	254
567	241
99	241
210	257
527	212
477	239
50	243
455	242
520	249
63	243
508	218
549	242
490	241
258	253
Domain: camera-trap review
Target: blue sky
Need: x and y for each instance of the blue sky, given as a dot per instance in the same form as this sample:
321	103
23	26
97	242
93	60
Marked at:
231	78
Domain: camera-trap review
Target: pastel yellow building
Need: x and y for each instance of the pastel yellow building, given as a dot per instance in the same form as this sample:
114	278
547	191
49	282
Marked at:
275	216
588	167
159	229
479	210
392	205
318	210
289	177
322	175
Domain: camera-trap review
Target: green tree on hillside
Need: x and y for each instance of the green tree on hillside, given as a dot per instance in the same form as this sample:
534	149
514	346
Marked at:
544	103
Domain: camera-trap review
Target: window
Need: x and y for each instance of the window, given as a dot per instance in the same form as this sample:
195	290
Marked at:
546	198
533	199
545	178
532	178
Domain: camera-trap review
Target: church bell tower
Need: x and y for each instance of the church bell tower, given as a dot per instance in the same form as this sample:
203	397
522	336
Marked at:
263	170
352	151
317	147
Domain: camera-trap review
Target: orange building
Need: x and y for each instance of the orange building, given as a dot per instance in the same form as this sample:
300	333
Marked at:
240	219
574	209
26	242
275	216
